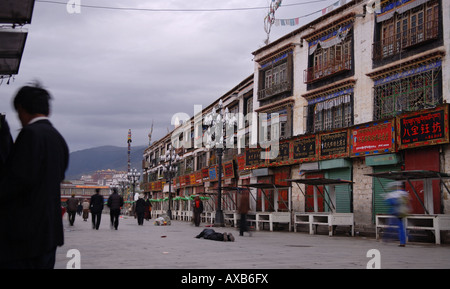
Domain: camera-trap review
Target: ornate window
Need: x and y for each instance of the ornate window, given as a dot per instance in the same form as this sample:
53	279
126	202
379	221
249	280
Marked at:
330	108
410	90
330	52
406	26
275	75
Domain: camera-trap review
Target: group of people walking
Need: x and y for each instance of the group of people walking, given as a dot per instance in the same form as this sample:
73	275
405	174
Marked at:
96	204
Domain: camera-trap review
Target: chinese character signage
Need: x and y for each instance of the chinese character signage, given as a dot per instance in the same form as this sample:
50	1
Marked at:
191	179
304	149
228	170
282	155
373	138
253	158
213	174
205	174
423	128
333	145
241	161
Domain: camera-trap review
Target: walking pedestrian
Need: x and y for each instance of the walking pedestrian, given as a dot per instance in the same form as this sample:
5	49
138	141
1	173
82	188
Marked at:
198	210
79	208
96	208
140	209
115	202
31	227
399	206
85	206
244	207
148	209
72	206
6	143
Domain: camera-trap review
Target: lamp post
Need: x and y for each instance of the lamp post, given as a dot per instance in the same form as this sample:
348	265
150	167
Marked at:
218	122
169	171
133	177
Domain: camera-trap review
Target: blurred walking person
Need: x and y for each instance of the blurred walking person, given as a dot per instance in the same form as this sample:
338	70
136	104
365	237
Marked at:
244	207
96	208
31	227
85	206
72	207
399	206
198	210
115	202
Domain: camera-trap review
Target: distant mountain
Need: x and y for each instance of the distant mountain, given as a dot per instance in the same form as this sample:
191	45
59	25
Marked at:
101	158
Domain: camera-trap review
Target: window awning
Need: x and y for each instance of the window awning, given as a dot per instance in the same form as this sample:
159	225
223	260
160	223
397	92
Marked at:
12	44
417	175
16	11
410	175
399	7
320	181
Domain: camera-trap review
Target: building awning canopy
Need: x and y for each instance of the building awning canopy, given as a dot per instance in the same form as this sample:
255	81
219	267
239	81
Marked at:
16	11
417	175
410	175
330	192
12	44
320	181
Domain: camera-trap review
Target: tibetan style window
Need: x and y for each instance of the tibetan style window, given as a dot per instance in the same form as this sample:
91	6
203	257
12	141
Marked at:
284	124
410	90
275	76
330	54
404	25
331	111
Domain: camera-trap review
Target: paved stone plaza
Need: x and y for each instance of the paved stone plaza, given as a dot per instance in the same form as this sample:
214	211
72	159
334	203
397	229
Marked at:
174	247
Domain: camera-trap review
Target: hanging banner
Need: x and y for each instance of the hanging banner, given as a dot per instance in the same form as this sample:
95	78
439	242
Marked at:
331	39
423	128
399	6
296	21
205	174
373	138
228	170
213	177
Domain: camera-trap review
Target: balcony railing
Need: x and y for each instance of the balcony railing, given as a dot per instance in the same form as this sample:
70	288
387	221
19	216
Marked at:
397	43
327	69
275	89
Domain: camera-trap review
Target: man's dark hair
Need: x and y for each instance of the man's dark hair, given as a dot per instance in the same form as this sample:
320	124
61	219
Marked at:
33	99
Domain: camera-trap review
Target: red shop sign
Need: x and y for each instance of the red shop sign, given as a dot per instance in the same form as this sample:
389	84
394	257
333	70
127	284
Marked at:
373	138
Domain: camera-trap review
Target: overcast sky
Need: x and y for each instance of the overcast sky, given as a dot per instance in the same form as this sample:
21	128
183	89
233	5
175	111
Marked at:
113	70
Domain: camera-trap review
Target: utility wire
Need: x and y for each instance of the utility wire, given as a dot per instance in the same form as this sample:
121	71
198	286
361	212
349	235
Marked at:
173	10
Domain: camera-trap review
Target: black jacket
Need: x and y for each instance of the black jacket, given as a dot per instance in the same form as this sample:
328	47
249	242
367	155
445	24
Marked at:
96	204
6	143
115	201
30	194
140	206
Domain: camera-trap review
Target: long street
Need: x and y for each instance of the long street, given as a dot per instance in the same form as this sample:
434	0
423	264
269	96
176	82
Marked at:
175	247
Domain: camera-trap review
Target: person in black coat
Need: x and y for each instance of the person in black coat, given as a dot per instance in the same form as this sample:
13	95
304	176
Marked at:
6	143
96	207
115	202
140	210
31	226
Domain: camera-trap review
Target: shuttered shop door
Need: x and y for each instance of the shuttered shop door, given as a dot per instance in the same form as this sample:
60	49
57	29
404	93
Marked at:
379	204
343	192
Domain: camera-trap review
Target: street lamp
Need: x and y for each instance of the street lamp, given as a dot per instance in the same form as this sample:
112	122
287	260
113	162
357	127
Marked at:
169	171
133	177
217	123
